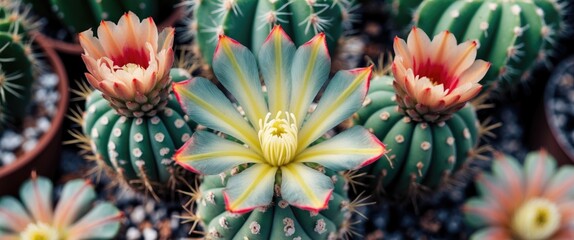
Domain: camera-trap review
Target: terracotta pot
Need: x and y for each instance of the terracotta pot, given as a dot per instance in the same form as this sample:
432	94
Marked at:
75	48
45	157
544	133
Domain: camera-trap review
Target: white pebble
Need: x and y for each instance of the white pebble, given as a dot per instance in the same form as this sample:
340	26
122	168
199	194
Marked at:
138	214
30	133
150	234
133	233
29	145
8	158
43	124
48	80
10	141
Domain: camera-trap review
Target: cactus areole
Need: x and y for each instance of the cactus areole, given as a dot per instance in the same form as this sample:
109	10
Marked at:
276	134
422	112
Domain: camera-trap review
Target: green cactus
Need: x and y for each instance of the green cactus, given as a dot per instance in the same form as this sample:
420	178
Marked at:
403	11
81	15
278	221
17	65
421	153
138	150
250	21
512	34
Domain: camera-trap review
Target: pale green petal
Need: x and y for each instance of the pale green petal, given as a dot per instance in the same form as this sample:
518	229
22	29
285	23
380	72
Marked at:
310	69
351	149
36	194
13	216
75	200
207	153
236	69
205	104
305	188
250	189
275	59
102	222
343	97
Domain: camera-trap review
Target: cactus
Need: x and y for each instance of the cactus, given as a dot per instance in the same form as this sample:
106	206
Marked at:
529	201
403	12
17	65
81	15
133	121
421	153
512	35
421	112
75	216
279	220
138	150
250	21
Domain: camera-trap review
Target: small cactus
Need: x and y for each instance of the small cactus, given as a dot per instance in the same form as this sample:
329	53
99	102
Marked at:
75	216
250	21
279	220
532	200
133	121
422	112
512	35
17	64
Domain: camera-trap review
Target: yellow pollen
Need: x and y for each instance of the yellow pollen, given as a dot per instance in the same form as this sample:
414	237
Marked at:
40	231
131	67
537	218
278	138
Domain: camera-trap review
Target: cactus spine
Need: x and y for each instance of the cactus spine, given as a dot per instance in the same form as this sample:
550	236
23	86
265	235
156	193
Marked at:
17	65
250	21
277	221
422	153
512	35
138	150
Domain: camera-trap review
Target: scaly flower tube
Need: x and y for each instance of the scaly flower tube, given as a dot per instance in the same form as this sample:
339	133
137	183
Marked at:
74	217
129	63
534	201
278	133
434	79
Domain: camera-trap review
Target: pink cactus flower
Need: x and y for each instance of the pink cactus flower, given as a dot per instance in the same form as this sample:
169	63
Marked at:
129	63
534	201
434	79
77	215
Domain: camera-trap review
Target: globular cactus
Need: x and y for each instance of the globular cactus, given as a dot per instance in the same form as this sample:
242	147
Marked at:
17	63
421	112
133	121
512	35
279	220
250	21
138	150
75	216
81	15
421	153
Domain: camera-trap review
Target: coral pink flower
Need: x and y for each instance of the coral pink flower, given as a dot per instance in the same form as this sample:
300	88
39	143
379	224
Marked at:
534	201
434	79
129	63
